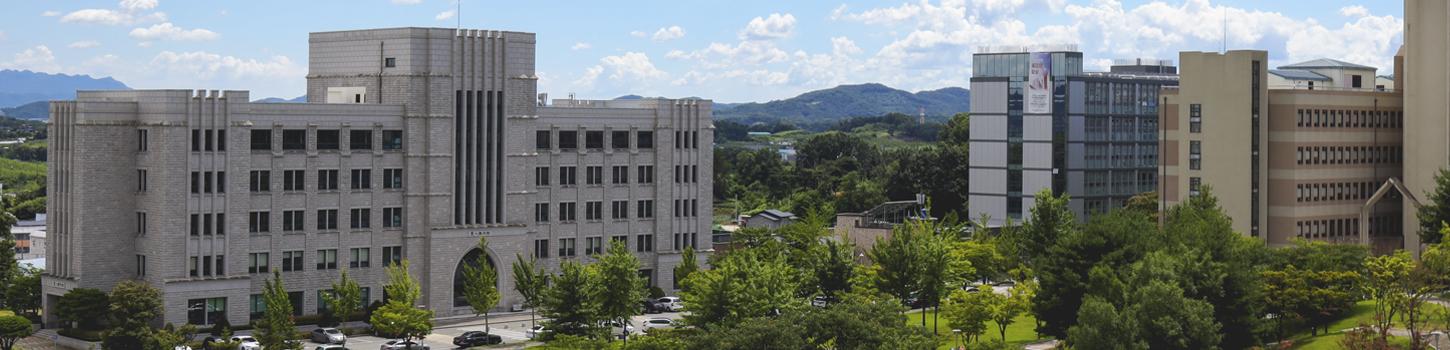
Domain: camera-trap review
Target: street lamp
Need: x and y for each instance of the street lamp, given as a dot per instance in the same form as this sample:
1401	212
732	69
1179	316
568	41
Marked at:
958	334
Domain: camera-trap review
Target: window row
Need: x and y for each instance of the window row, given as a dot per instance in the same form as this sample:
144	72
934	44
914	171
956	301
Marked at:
594	175
685	241
1323	118
202	181
1348	227
687	139
201	140
687	208
208	265
593	245
204	224
259	304
327	180
324	259
325	139
594	210
1337	191
293	220
1318	155
687	173
569	140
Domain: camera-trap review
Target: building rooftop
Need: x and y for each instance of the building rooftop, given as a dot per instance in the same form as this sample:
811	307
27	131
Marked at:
776	215
1326	63
1294	74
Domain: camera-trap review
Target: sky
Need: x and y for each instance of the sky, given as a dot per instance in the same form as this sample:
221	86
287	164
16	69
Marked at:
728	51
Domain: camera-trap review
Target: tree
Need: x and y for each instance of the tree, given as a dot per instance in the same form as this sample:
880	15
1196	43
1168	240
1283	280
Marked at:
833	268
1313	297
170	337
1385	278
621	286
276	325
571	301
1101	326
1109	242
957	130
1168	320
1436	209
687	266
8	264
23	294
1050	220
970	311
1006	308
12	329
744	284
398	316
530	281
897	262
480	285
1145	203
346	297
79	307
134	305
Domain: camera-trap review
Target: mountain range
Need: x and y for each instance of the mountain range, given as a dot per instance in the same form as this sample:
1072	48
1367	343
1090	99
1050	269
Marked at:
845	101
20	87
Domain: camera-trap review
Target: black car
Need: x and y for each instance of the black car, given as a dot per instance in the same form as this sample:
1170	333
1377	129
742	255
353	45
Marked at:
650	307
476	338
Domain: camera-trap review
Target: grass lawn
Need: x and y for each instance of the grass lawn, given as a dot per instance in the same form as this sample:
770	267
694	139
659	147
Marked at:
1018	333
1361	313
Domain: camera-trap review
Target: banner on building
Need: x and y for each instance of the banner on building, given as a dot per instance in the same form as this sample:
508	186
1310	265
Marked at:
1039	84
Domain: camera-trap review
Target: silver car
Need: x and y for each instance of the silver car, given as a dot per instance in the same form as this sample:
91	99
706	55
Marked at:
328	336
399	344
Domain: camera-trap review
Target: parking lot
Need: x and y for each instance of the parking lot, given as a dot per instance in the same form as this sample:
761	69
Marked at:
511	328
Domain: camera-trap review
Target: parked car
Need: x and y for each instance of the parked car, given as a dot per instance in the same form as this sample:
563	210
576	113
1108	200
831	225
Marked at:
820	301
658	322
650	306
399	344
476	338
535	331
1007	283
181	347
328	336
672	304
330	347
246	342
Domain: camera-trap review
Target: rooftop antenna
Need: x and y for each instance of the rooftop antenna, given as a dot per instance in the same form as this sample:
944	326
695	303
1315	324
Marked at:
1225	29
458	14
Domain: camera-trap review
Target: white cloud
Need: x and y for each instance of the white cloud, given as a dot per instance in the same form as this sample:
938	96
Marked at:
407	2
719	55
1354	11
111	17
167	31
631	66
50	13
206	65
843	46
138	5
590	75
84	44
776	26
580	46
38	58
445	15
669	33
638	34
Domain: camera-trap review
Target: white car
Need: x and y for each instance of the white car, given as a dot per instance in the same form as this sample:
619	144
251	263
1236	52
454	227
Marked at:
399	344
535	331
658	322
246	342
673	304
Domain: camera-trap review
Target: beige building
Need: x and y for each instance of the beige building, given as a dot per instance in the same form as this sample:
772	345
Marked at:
1286	159
1426	85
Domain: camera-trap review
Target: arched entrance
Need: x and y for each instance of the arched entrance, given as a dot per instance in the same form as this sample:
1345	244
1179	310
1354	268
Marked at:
472	259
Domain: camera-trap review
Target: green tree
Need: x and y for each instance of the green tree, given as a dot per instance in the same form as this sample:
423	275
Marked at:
13	329
1109	242
1050	220
1312	297
1225	272
1102	327
1434	212
1385	279
134	305
970	311
571	301
79	307
1145	203
1006	308
957	130
833	267
530	281
897	262
1168	320
346	297
276	325
398	316
23	294
620	285
8	265
742	284
480	285
687	266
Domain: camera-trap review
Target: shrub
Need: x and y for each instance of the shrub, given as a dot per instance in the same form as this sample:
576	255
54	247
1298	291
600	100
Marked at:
655	292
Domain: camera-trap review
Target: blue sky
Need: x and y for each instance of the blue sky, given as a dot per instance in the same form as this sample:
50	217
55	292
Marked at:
730	51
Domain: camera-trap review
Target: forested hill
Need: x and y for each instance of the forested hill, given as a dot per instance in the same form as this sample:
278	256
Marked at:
845	101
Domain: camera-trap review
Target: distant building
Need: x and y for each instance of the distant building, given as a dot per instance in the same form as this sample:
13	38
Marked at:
770	219
862	229
30	238
1323	74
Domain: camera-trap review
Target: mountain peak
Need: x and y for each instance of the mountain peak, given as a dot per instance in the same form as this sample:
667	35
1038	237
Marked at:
854	100
19	87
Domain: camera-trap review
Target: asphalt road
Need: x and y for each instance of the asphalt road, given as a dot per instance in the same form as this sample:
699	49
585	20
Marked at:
511	328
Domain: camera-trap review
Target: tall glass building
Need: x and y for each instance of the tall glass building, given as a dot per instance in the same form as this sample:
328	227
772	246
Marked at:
1039	122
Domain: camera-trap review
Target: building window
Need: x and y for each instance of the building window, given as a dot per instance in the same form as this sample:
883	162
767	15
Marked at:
392	255
541	212
262	140
567	176
196	182
361	257
645	209
360	140
541	176
593	245
646	174
327	180
292	220
389	62
259	306
326	219
594	139
221	224
140	265
258	263
619	175
644	243
393	178
292	261
193	267
328	139
142	139
541	248
566	211
259	222
1195	155
206	224
259	181
140	180
140	223
206	311
568	140
392	139
543	140
619	210
392	217
593	211
1356	81
623	241
362	179
327	259
619	140
360	218
1194	185
566	247
594	175
294	139
1195	118
196	140
292	180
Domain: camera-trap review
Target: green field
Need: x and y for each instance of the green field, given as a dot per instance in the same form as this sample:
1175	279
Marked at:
1361	313
1019	332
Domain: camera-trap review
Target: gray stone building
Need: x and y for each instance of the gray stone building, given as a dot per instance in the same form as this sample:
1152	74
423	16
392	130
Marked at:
414	143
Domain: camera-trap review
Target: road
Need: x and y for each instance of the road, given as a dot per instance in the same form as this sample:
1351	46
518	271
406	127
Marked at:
511	328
